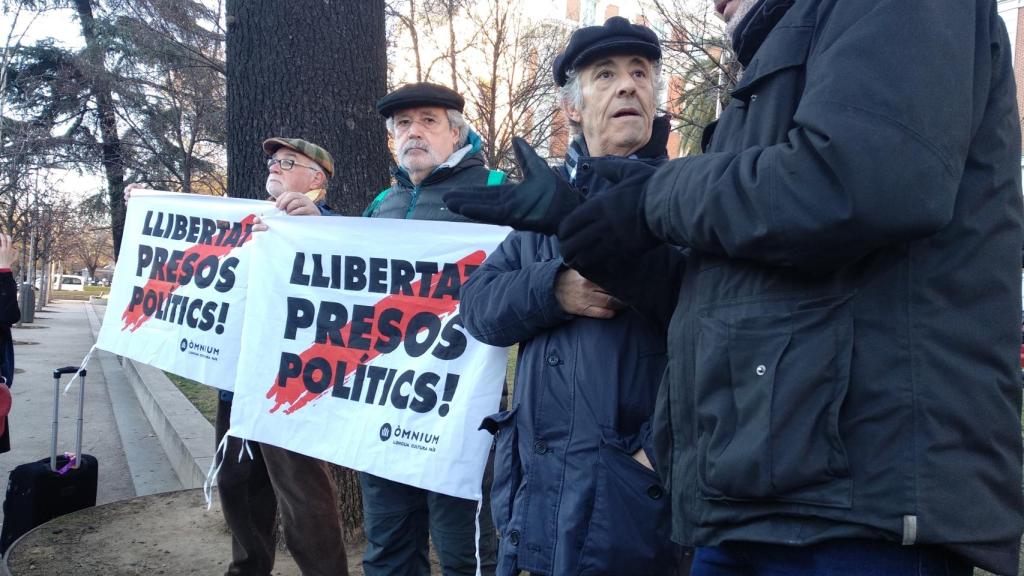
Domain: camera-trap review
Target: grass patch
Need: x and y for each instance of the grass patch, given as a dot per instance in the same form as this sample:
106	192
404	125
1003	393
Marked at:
68	295
203	397
78	294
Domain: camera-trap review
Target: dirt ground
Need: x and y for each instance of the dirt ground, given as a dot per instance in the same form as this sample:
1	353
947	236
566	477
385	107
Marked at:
170	533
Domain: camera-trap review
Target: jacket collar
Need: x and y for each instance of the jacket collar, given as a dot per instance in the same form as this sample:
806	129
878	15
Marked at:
756	26
655	149
468	154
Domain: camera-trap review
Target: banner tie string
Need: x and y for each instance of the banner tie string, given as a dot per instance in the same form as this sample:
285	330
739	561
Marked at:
85	362
479	506
218	461
211	476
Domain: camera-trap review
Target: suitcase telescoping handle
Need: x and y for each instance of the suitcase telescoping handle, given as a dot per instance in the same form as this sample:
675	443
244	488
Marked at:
57	373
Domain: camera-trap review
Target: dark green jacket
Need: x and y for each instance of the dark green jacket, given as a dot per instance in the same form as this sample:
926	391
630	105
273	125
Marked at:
423	202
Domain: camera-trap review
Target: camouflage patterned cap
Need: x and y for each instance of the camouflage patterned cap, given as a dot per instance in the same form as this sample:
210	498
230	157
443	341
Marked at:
315	153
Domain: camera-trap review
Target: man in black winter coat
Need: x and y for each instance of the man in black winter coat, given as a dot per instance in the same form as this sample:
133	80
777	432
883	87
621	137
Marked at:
842	394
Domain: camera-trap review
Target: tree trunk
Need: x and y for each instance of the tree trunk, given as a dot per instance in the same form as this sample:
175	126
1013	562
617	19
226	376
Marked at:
113	165
350	502
310	69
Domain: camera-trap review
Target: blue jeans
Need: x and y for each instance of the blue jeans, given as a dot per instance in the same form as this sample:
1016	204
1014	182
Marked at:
833	558
397	519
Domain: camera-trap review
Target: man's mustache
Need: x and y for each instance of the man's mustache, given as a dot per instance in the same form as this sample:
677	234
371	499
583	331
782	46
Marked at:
413	145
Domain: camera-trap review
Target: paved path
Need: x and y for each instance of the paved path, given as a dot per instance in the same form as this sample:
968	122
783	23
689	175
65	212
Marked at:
131	462
184	539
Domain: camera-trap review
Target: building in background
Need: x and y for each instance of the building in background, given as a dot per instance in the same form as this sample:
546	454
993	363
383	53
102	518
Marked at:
498	54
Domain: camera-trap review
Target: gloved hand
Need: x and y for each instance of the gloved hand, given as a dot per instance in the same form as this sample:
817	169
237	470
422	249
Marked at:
609	226
538	203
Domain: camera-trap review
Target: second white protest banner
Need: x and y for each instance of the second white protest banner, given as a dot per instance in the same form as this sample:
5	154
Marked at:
354	350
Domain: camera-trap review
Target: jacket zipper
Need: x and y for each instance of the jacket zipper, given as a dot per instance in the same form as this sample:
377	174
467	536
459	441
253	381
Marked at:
412	203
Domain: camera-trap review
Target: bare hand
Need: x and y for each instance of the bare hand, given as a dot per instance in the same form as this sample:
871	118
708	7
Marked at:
642	458
296	204
6	251
581	297
134	186
258	225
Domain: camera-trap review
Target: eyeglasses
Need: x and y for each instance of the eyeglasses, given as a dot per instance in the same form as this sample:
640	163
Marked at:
287	164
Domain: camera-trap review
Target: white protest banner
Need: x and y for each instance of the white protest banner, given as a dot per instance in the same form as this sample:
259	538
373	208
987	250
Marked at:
355	351
178	295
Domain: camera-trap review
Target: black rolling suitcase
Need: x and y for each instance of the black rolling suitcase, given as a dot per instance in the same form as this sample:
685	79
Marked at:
41	491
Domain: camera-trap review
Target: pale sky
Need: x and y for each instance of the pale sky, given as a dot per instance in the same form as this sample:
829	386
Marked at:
62	26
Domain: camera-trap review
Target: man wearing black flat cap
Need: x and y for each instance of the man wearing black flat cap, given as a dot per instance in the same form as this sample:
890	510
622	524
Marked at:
436	152
574	488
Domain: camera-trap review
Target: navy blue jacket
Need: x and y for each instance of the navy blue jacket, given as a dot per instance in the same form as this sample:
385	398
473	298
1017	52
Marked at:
567	497
843	359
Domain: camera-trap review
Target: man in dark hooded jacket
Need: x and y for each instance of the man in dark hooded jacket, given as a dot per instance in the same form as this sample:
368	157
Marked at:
842	394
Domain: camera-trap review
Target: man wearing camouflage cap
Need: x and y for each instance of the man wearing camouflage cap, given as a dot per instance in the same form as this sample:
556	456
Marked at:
252	488
300	188
302	487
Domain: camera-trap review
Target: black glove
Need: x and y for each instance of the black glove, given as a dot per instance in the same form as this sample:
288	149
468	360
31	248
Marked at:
609	226
538	203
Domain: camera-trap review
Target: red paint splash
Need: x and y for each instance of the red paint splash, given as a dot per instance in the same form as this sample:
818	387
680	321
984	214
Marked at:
133	319
295	393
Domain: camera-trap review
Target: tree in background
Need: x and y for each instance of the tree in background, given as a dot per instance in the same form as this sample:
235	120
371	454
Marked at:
512	93
88	246
698	65
138	102
311	69
172	53
492	52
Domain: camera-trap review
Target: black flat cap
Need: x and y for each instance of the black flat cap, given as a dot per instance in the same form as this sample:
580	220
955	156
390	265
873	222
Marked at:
420	94
616	36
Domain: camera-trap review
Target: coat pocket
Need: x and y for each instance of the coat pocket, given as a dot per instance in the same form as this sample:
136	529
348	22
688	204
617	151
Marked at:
785	48
507	469
768	390
629	530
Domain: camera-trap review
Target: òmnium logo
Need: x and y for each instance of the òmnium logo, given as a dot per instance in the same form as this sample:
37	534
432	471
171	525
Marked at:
193	348
409	438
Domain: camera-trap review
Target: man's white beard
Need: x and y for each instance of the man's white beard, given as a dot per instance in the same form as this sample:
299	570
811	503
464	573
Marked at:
737	17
